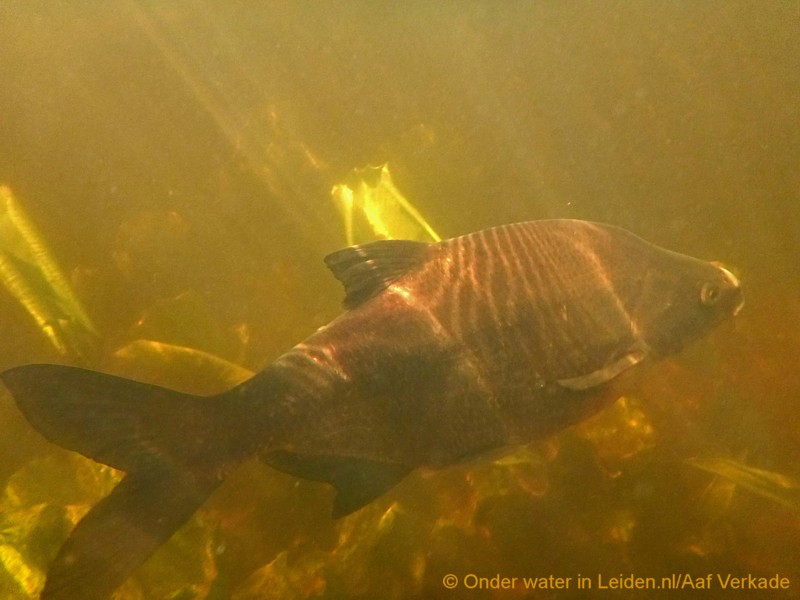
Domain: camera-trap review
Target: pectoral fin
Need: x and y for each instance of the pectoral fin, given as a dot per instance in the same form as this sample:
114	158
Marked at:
357	481
606	373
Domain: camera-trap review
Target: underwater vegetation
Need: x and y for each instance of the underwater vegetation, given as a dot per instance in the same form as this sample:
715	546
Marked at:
372	206
31	274
776	487
634	489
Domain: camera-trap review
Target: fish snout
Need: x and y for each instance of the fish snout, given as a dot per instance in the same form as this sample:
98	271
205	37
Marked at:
726	293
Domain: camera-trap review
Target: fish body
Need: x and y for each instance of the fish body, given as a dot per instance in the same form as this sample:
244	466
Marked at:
447	350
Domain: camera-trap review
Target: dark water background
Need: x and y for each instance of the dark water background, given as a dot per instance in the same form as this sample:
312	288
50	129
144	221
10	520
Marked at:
165	148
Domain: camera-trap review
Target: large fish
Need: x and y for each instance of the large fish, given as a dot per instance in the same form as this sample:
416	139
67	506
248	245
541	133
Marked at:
448	350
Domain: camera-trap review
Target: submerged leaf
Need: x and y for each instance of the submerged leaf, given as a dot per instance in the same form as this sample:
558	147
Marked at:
178	366
619	432
186	320
39	504
774	486
372	195
31	274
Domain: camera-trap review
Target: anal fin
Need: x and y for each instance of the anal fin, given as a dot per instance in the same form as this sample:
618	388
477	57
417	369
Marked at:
357	481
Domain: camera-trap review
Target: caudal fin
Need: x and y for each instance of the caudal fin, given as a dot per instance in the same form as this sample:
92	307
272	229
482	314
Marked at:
163	439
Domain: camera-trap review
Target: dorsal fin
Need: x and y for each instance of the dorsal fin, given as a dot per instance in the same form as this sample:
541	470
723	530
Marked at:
367	269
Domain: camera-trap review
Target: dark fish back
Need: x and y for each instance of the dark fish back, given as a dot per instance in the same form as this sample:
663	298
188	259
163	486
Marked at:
535	296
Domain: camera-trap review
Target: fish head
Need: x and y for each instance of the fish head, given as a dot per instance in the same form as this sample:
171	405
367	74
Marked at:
682	299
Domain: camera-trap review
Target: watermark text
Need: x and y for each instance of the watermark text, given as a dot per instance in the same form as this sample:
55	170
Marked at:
629	581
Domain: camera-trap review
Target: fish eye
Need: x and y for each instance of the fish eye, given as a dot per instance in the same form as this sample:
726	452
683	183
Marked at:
709	294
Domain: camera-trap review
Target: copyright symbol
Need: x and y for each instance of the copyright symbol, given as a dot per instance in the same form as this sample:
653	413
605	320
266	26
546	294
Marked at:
450	581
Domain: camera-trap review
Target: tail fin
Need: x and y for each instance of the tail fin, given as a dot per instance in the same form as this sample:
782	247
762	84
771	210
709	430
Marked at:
163	439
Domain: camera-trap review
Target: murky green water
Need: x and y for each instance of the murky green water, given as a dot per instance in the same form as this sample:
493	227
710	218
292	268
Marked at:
179	159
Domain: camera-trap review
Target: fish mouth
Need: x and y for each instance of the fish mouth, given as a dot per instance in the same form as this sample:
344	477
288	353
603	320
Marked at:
733	281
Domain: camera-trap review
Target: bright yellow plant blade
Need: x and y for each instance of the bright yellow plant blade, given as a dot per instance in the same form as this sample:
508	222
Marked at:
372	207
774	486
31	274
